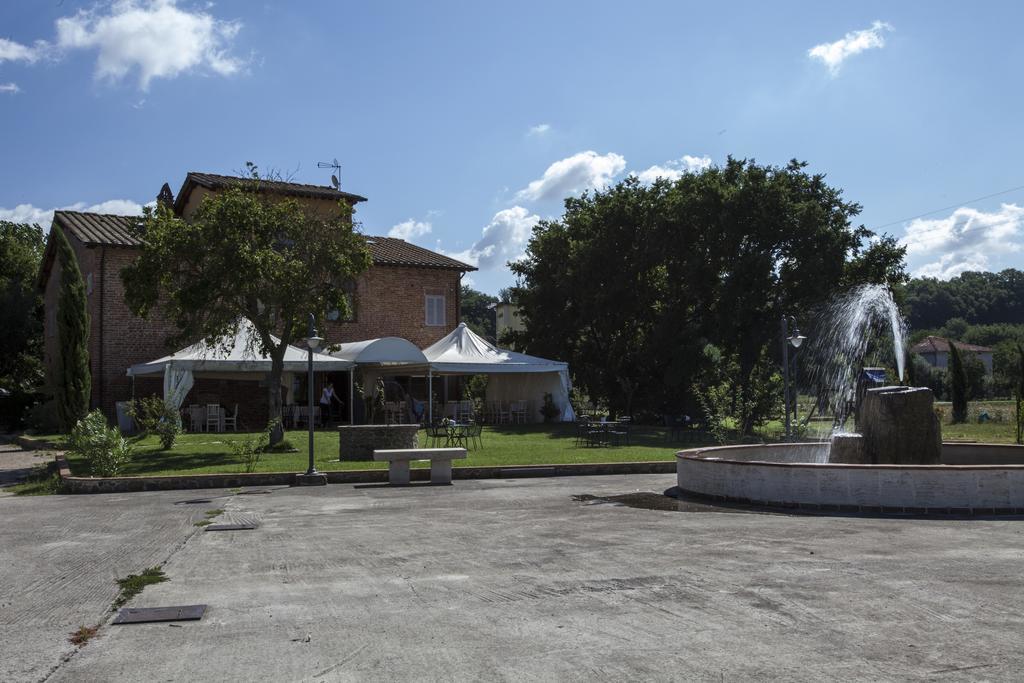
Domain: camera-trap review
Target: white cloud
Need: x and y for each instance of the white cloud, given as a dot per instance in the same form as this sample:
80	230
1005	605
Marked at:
967	239
583	171
410	229
10	88
674	170
834	54
503	239
11	51
27	213
156	37
538	130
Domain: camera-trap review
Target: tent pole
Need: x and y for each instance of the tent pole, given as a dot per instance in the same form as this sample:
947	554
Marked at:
351	396
430	396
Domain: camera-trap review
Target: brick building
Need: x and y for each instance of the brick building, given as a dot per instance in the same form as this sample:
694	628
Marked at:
408	292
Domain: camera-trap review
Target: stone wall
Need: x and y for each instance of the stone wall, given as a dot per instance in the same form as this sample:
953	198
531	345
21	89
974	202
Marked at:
359	441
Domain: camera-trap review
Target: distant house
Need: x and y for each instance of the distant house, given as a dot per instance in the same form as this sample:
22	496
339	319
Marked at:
935	350
506	318
408	292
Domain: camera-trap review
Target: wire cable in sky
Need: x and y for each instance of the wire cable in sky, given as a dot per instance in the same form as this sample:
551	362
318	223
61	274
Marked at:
953	206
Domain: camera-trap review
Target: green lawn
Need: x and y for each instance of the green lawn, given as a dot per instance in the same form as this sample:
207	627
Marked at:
505	445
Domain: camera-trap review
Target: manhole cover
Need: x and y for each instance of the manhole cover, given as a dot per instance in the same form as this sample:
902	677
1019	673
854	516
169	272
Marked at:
143	615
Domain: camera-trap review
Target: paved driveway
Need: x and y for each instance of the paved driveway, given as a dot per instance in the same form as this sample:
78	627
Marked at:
508	580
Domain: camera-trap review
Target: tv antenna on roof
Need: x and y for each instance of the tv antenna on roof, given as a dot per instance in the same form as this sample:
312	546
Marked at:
333	163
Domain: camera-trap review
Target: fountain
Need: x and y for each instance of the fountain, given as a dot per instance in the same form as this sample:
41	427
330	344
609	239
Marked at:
894	461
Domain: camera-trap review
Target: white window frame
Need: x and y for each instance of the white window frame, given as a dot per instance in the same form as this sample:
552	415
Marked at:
440	308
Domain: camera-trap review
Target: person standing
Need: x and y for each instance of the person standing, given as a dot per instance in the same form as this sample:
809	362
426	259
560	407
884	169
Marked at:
327	398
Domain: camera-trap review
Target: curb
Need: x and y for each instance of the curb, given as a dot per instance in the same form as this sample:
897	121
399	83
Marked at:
73	484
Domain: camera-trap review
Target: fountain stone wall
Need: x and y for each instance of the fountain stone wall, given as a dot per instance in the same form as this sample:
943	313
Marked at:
899	427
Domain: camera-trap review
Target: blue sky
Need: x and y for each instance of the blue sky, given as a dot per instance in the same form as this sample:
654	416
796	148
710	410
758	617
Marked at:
465	123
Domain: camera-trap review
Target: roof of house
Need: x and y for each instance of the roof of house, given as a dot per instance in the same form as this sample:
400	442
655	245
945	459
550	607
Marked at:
932	344
392	251
214	181
100	228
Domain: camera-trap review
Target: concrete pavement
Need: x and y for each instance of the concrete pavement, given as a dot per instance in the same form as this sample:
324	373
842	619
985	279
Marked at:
508	580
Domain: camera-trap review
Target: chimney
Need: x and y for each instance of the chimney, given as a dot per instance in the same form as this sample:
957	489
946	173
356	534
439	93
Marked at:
166	197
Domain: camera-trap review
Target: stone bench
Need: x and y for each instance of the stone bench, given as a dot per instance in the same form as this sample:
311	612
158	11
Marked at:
440	463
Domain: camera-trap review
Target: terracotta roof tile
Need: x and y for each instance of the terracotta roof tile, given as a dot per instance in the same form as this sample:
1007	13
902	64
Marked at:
119	231
391	251
100	228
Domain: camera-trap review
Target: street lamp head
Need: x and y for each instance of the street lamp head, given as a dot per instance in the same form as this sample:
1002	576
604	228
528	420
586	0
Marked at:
314	342
797	339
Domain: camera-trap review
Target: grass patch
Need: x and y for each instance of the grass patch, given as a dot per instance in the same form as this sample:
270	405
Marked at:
133	584
214	513
41	482
284	446
83	635
503	445
203	522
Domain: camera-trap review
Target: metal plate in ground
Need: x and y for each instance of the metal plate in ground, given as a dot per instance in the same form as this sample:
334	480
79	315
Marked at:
230	527
143	615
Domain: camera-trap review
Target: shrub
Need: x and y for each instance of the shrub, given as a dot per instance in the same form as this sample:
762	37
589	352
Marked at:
102	447
154	415
41	418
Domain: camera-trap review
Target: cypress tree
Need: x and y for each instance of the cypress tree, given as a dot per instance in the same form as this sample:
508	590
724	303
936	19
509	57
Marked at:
957	384
1020	394
72	381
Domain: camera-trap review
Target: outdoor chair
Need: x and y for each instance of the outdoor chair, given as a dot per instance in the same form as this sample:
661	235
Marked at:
504	413
518	412
582	427
195	417
475	433
434	434
619	431
231	421
213	423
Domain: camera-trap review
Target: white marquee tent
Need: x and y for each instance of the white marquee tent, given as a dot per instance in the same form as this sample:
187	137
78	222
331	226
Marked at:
512	375
233	355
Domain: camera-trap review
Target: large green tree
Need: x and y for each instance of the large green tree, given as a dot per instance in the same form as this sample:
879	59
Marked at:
633	282
72	381
979	298
476	311
247	254
21	344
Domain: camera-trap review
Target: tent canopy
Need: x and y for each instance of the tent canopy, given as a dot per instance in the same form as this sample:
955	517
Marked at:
463	352
513	375
235	355
385	351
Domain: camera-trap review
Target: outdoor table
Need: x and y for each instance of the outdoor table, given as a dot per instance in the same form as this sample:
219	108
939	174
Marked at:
603	432
457	434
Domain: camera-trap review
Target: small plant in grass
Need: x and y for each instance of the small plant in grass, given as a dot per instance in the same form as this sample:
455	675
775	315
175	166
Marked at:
251	450
102	447
83	635
154	415
203	522
214	513
133	584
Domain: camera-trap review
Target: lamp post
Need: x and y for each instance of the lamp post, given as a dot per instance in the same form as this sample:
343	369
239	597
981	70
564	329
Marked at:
796	339
314	343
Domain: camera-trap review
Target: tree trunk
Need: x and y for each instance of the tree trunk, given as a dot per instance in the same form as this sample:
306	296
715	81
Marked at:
274	395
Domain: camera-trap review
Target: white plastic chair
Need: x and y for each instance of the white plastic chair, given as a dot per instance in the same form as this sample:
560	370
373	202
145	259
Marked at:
231	420
213	421
518	411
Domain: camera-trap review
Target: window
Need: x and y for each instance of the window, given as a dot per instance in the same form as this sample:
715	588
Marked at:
435	309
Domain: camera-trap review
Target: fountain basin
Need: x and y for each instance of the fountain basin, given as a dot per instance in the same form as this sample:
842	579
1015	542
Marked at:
982	478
